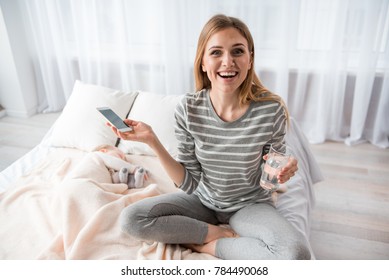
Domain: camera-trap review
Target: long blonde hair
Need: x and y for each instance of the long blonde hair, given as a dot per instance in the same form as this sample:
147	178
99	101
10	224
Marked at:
251	88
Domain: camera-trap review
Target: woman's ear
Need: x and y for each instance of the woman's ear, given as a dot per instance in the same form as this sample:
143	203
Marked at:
251	60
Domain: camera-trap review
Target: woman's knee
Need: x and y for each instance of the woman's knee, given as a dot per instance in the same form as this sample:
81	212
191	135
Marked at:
139	219
272	232
132	220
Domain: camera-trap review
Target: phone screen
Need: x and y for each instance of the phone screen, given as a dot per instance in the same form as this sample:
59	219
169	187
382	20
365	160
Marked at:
114	119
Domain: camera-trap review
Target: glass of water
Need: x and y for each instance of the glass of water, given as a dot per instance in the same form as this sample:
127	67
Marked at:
276	160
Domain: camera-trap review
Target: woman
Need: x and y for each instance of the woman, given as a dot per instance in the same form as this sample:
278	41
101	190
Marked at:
224	130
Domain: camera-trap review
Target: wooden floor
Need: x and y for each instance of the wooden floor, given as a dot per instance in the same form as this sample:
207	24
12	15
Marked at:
19	135
351	217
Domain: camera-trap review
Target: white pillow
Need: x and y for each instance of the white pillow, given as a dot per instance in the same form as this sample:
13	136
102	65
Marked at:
158	112
80	125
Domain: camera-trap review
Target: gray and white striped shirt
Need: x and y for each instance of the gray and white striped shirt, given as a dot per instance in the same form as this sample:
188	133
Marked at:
223	159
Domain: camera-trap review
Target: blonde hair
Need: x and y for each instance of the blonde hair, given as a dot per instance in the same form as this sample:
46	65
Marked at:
251	88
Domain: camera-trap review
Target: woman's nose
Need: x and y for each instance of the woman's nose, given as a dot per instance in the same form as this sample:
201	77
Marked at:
228	60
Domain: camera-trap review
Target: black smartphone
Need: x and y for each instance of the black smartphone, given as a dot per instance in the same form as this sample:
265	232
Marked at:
114	119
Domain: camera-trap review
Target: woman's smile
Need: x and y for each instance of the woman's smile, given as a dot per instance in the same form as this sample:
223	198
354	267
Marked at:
228	75
226	60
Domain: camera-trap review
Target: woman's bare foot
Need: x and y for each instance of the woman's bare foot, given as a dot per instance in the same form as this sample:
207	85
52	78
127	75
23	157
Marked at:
217	232
214	233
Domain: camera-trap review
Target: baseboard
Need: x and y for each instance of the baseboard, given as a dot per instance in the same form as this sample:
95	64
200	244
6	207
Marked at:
20	114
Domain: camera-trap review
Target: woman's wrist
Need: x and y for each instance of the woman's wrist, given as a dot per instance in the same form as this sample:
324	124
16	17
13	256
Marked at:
154	142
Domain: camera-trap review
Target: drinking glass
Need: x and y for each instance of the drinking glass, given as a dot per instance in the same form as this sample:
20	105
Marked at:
277	159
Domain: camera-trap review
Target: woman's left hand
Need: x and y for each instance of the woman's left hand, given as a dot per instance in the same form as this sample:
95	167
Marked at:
288	171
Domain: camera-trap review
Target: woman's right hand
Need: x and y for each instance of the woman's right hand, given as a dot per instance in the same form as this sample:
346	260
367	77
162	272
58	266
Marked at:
141	132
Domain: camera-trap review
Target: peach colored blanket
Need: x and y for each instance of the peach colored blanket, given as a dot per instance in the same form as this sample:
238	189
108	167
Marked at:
67	208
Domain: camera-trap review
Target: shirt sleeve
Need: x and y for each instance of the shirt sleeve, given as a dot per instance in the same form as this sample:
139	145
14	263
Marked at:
186	150
279	127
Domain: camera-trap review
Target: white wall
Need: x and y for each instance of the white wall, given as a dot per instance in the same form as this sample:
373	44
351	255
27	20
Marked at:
17	81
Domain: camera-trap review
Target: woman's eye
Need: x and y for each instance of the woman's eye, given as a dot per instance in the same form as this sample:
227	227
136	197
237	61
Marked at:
238	51
216	52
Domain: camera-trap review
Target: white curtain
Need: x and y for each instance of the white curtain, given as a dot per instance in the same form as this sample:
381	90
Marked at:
329	59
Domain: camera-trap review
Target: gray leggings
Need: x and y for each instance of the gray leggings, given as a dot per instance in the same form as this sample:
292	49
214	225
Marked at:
179	218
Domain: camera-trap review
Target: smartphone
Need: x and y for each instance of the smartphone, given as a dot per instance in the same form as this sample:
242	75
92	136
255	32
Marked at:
114	119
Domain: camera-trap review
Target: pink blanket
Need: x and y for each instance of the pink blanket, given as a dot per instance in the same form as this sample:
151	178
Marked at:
68	209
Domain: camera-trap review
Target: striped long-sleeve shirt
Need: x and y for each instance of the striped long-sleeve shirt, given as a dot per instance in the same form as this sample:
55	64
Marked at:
223	160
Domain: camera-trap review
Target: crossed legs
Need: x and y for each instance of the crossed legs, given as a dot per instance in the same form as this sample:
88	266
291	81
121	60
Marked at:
257	231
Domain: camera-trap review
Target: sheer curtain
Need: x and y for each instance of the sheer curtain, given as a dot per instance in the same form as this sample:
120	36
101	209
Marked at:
329	59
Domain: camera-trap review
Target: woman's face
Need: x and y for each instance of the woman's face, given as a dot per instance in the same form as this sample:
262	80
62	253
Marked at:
226	60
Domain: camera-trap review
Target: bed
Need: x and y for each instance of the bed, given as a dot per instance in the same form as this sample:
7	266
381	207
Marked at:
55	206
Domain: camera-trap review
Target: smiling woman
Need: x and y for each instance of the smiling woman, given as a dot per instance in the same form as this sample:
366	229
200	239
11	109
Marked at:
226	61
222	143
